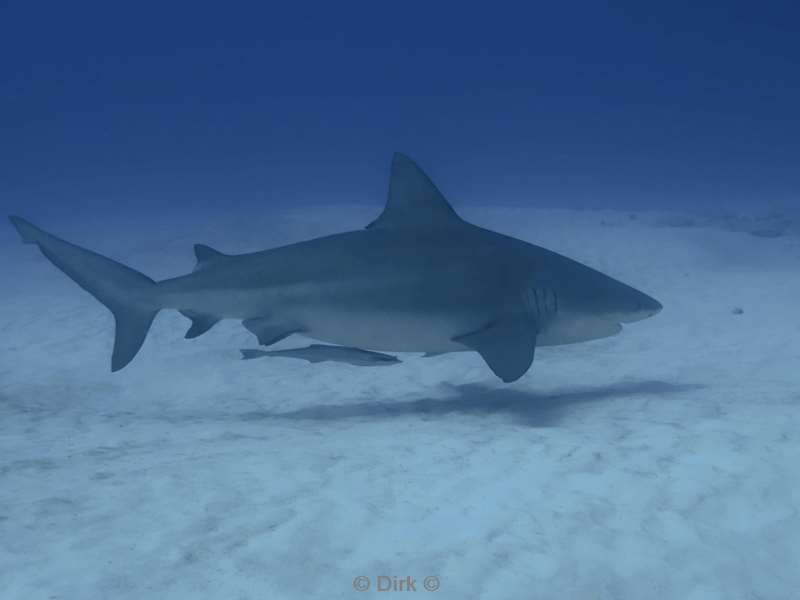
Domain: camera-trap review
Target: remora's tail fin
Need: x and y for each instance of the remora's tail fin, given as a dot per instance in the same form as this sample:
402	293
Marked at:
129	295
251	354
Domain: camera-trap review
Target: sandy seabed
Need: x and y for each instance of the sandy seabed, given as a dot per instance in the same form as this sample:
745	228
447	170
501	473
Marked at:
659	463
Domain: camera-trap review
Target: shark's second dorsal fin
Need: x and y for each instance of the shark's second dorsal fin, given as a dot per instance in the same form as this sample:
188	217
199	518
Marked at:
414	201
206	255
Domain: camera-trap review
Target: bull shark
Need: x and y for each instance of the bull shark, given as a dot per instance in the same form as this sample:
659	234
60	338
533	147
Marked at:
418	278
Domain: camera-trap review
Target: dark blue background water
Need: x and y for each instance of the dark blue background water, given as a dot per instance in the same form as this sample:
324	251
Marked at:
225	106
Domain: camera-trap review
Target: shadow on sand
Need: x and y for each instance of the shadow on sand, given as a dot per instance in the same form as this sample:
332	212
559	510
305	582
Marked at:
524	407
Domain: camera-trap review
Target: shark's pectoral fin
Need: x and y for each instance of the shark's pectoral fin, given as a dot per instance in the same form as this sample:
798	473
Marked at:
269	331
200	323
507	345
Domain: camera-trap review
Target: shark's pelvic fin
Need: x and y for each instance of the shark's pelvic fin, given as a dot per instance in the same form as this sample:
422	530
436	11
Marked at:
206	256
131	297
200	323
269	331
507	345
414	201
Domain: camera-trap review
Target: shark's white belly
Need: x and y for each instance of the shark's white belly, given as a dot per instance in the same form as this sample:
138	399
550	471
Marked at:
381	331
569	329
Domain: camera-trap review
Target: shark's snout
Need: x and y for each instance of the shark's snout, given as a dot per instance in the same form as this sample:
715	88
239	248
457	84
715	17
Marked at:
650	306
645	308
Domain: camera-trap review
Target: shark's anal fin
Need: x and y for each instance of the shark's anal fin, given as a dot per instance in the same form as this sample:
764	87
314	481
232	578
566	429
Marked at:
200	323
507	345
269	331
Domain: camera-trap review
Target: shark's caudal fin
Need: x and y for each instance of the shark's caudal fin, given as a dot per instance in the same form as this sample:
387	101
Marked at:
130	296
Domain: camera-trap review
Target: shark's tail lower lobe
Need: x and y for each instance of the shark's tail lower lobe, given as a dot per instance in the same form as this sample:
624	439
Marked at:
132	297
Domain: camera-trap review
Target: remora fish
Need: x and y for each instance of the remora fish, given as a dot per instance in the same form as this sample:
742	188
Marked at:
417	279
320	353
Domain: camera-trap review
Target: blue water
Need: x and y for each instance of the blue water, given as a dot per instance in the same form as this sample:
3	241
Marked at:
656	144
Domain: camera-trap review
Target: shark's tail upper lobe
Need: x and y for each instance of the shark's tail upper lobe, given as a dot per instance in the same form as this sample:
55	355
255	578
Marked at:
132	297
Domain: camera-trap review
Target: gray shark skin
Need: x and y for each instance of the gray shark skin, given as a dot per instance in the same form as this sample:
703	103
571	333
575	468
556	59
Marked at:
417	279
316	353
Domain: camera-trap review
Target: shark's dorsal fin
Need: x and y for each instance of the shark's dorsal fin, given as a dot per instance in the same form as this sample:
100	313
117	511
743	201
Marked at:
414	202
206	255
